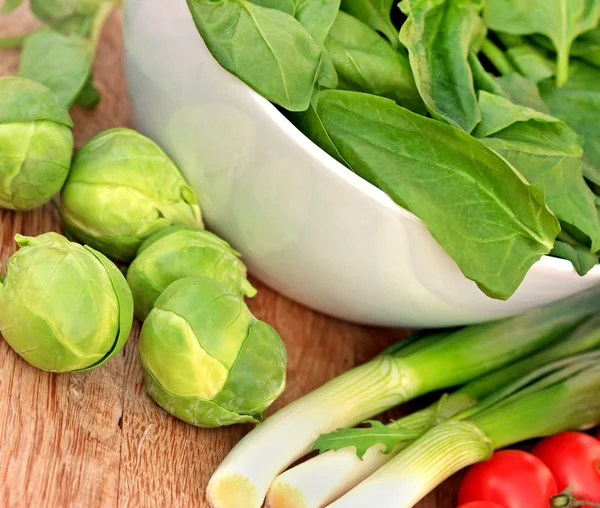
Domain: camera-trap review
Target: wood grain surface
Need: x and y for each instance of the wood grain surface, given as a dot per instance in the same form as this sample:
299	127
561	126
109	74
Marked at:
96	439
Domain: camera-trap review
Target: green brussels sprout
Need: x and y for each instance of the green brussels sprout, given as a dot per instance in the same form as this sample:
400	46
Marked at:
36	144
123	188
206	359
63	307
178	252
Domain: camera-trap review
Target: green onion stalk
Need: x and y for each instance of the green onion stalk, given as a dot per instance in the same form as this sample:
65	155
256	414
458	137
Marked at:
324	478
558	397
399	374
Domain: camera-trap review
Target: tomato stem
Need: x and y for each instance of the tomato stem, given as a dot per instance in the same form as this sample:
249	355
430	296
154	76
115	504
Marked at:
567	500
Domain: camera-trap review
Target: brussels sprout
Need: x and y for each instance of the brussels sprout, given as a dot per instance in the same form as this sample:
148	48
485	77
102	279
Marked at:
36	144
178	252
63	307
123	188
205	357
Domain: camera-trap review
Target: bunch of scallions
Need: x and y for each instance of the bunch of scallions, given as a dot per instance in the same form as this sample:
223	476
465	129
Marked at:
527	376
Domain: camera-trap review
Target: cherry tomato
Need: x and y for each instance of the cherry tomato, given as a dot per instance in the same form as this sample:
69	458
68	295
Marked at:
574	459
481	504
511	478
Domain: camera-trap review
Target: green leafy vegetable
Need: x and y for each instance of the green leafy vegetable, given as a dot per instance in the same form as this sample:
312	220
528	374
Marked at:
559	20
438	34
579	255
443	175
547	152
285	60
60	55
482	79
577	104
520	90
60	62
587	47
12	42
376	14
531	62
89	96
365	62
496	57
10	5
364	438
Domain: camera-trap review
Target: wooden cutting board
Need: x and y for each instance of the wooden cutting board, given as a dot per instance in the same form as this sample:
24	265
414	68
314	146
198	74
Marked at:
96	438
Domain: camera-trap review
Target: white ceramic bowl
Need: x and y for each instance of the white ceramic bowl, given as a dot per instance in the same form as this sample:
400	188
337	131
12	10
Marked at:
307	226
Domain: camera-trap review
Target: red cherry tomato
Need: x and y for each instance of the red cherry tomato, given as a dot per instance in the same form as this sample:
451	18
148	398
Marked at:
574	459
481	504
511	478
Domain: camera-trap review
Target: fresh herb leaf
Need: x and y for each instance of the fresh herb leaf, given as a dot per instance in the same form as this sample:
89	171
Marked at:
284	62
443	175
579	255
376	14
438	35
60	62
365	438
559	20
548	153
577	104
10	5
365	62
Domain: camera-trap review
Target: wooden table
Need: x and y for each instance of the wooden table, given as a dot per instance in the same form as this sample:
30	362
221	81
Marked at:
96	438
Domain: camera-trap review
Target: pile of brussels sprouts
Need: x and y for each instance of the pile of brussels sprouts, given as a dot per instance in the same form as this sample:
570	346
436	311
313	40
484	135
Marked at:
65	306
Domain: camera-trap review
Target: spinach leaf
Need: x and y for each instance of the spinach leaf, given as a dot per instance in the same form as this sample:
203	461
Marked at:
10	5
577	104
12	42
51	11
579	255
376	14
522	91
316	16
482	79
513	86
477	207
531	62
365	62
62	63
89	97
587	47
266	48
438	34
559	20
548	153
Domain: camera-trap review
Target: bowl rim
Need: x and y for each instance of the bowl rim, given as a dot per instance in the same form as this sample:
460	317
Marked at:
371	191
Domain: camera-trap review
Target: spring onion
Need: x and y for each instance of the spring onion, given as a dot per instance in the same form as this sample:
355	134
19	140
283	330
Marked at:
558	397
322	479
397	375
